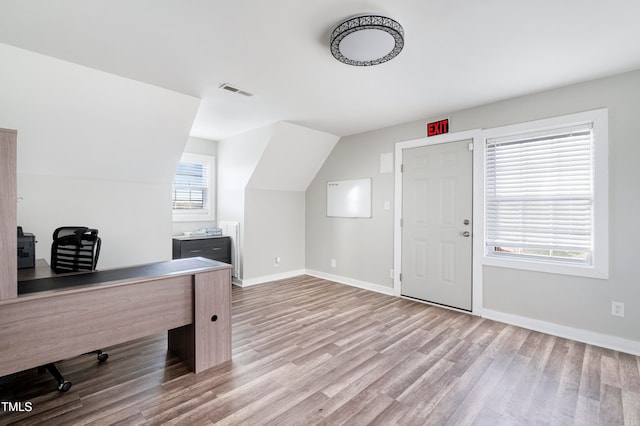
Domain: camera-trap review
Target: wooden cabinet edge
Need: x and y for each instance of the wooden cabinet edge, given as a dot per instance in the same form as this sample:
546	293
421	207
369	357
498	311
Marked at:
8	212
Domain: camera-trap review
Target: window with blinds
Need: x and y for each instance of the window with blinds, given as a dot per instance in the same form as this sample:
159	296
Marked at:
539	195
191	192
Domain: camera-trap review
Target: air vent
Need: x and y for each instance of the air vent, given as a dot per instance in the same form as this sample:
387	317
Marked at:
233	89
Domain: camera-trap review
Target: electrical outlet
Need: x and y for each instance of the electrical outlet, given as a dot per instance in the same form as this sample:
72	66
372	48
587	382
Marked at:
276	261
333	263
617	309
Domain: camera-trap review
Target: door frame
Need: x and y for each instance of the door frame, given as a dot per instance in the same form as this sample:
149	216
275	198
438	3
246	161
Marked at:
477	228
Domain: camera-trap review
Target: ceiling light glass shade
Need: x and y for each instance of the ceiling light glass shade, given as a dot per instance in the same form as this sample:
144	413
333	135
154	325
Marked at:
367	40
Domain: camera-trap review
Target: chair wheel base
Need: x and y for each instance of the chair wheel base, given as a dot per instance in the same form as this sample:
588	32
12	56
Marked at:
64	386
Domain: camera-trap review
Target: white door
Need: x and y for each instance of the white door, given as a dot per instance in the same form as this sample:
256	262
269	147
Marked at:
436	223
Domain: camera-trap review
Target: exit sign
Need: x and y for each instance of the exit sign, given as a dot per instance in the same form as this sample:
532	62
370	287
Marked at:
438	127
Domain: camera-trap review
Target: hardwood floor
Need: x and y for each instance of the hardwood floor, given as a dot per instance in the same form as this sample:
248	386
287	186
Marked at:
309	351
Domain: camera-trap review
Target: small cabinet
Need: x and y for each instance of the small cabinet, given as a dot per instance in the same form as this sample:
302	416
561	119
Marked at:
215	248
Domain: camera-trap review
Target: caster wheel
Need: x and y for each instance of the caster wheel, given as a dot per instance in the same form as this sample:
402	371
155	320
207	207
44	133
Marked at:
64	386
102	357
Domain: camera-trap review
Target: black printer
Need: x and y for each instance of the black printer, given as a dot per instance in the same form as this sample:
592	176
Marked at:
26	249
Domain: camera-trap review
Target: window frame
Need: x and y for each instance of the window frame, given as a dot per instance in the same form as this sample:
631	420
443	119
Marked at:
599	267
207	213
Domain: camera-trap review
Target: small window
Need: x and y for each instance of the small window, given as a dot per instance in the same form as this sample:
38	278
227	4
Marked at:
541	203
192	194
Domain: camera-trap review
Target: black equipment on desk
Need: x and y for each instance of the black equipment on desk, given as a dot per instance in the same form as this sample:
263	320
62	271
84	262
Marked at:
26	249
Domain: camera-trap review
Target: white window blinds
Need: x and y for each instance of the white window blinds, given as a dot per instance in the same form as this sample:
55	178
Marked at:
539	194
191	186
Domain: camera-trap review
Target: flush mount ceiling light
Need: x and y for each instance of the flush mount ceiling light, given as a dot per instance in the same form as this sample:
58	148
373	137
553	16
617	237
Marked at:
367	40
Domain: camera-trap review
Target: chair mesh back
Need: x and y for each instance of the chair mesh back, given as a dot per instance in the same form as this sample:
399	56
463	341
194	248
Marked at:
75	248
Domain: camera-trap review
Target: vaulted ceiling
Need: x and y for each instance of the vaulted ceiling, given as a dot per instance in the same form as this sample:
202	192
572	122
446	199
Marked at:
457	54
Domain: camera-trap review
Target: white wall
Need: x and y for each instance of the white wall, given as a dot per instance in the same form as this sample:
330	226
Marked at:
261	182
570	302
274	201
131	217
362	248
94	149
292	158
274	227
237	159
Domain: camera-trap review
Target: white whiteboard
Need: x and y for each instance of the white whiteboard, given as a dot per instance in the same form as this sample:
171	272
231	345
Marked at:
349	198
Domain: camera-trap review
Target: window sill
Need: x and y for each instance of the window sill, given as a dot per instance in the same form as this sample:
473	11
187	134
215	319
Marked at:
589	271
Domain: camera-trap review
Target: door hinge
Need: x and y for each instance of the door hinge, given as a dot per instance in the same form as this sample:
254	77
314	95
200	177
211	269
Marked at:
401	222
470	146
400	276
401	168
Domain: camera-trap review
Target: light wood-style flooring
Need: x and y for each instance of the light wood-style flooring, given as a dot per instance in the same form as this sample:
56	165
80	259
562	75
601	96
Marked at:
309	351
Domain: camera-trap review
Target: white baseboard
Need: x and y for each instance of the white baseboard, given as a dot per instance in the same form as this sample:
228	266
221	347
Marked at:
590	337
268	278
349	281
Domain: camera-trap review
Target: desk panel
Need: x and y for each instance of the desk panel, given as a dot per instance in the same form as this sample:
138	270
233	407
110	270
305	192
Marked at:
8	197
41	327
49	329
212	345
206	342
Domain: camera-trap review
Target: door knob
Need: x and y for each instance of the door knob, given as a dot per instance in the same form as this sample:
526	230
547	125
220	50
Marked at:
466	234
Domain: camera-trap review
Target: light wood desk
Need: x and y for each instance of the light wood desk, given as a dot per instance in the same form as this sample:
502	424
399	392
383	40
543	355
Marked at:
63	316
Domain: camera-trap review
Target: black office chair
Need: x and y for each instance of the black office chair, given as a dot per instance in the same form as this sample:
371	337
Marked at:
74	249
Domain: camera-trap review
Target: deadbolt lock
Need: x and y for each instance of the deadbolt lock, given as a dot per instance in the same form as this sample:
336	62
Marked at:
466	222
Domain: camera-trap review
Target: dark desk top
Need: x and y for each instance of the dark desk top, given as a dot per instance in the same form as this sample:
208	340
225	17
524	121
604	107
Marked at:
151	270
40	270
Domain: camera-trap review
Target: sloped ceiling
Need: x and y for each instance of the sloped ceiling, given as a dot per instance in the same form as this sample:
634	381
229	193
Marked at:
79	122
292	158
